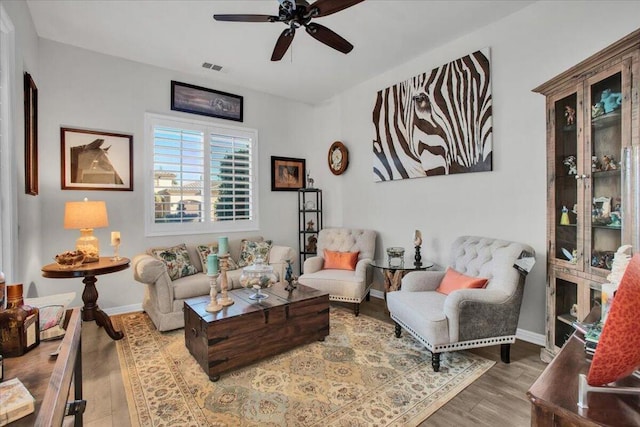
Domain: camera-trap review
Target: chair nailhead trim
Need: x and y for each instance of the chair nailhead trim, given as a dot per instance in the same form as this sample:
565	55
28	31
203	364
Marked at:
510	339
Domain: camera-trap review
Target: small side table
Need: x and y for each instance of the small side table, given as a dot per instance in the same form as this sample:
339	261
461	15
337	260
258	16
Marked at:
89	271
394	273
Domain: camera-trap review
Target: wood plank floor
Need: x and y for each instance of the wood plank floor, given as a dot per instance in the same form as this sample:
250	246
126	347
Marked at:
496	398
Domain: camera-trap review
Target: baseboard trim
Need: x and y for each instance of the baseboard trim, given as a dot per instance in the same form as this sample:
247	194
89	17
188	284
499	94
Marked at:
123	309
377	294
532	337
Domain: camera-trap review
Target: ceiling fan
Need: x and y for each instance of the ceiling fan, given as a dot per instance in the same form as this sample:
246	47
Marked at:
296	14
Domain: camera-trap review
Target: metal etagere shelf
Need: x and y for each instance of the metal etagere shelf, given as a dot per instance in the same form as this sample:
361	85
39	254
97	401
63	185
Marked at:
309	222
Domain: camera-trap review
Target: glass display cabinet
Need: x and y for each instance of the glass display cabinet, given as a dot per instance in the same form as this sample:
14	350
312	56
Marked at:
592	179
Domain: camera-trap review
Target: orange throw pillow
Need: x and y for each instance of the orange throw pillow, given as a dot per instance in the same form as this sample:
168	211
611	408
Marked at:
453	281
340	260
618	351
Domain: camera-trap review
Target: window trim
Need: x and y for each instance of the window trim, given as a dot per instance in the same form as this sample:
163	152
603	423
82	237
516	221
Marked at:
159	229
8	171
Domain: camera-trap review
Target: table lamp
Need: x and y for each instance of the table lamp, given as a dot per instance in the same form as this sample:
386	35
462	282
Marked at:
86	216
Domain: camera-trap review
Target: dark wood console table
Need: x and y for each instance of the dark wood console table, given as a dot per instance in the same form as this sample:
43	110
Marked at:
89	271
49	378
554	395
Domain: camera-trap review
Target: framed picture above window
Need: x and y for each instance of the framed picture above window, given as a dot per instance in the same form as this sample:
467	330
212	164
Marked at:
287	174
207	102
96	160
30	135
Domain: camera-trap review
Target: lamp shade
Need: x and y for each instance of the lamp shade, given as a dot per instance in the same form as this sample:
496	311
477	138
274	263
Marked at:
85	214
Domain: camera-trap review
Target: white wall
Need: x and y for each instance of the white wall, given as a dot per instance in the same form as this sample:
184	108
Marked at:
90	90
28	207
527	49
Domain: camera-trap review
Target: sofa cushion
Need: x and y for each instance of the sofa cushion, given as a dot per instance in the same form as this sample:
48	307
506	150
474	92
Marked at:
251	250
195	285
454	280
423	312
212	248
336	282
176	259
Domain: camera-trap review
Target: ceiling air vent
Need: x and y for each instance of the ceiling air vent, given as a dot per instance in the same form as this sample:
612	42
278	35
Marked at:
211	66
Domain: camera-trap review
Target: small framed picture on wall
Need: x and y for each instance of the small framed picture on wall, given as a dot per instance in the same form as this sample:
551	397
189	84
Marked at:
287	174
96	160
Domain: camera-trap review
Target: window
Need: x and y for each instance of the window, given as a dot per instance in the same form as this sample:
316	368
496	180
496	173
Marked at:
203	177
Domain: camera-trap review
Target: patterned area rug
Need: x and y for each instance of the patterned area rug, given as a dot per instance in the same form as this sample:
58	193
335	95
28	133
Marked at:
361	375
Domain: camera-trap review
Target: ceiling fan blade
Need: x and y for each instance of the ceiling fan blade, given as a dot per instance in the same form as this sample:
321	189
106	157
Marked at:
246	18
327	7
328	37
283	43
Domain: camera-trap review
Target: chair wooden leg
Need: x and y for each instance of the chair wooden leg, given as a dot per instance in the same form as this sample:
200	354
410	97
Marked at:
435	361
398	330
356	309
505	353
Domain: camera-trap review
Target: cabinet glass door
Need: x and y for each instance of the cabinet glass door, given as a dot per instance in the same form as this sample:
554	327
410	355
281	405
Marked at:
565	212
606	137
566	309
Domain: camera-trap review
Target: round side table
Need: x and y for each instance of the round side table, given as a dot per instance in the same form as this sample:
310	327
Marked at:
89	271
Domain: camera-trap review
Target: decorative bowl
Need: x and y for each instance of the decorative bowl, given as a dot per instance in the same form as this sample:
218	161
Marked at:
395	252
69	259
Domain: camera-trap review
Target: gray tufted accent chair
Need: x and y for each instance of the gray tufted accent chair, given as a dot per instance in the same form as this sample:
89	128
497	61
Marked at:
342	285
465	318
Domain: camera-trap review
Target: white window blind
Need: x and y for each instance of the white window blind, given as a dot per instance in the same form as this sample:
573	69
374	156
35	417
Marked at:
203	177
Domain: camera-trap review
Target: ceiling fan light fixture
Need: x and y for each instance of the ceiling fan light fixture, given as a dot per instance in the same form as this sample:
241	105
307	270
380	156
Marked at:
296	14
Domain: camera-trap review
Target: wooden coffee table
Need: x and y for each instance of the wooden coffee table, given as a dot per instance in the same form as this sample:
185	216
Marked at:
247	331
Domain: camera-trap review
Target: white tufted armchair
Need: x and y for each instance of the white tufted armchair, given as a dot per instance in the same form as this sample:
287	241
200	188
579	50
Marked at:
342	285
465	318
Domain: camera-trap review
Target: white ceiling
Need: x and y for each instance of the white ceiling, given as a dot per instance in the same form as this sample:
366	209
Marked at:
181	35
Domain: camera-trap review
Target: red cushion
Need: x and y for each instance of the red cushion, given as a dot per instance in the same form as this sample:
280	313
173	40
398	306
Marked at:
453	281
340	260
618	351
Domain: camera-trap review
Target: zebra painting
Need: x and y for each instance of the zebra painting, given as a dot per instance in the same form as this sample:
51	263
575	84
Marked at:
436	123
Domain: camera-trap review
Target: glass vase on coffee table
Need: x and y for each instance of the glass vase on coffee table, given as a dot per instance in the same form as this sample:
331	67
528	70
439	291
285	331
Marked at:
258	276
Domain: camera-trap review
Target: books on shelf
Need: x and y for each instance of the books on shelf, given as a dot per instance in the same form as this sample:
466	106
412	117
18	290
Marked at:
591	338
15	401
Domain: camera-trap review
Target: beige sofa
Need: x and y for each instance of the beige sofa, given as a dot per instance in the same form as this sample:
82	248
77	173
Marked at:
164	298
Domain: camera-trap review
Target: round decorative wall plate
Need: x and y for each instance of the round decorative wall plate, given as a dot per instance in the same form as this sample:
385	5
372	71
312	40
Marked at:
338	158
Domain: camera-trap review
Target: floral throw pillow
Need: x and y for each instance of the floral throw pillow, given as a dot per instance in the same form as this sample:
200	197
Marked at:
177	261
212	248
252	250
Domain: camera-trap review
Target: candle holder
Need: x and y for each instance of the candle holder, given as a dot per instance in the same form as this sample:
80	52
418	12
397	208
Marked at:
224	283
116	255
213	306
115	242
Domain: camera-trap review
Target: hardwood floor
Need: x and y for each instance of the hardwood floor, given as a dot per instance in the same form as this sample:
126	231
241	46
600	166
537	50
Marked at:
496	398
